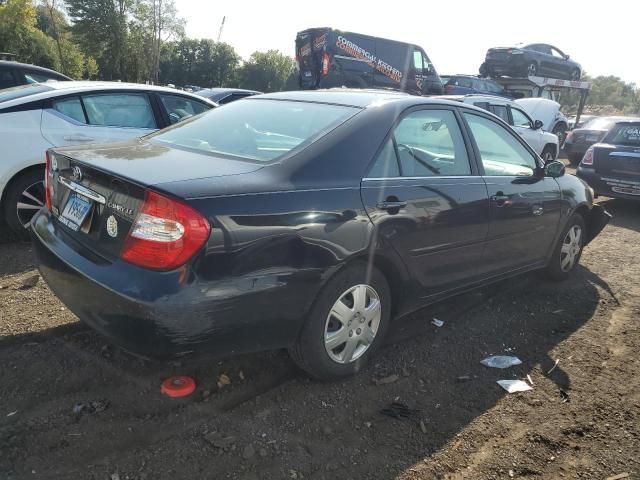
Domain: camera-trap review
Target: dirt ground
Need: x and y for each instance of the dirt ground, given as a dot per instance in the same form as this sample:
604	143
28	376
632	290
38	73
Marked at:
74	407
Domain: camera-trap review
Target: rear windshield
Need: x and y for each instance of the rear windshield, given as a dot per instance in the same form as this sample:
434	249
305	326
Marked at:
624	134
14	93
260	130
599	124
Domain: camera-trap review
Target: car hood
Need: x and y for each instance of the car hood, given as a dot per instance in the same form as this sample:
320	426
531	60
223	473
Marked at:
151	163
545	110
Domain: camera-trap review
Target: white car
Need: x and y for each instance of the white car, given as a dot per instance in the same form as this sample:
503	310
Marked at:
548	112
544	143
36	117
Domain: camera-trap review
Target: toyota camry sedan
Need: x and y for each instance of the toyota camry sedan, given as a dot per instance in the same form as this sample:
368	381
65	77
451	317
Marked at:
302	220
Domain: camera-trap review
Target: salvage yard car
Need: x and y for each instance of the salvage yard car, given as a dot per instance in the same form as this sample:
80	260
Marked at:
580	139
534	60
13	74
225	95
39	116
329	58
304	220
612	167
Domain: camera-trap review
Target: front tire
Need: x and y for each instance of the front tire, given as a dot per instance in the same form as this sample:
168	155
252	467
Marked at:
548	153
576	74
560	131
532	69
25	196
568	250
346	324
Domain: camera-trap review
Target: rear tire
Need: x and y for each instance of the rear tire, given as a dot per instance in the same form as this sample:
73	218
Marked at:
24	197
560	131
532	69
574	158
576	74
548	153
324	352
566	255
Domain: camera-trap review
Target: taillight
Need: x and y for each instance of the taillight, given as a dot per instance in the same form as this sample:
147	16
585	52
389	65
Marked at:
588	157
165	235
326	62
48	187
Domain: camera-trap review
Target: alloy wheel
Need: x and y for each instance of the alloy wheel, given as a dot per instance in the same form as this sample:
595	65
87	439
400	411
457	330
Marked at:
352	324
31	200
532	69
571	247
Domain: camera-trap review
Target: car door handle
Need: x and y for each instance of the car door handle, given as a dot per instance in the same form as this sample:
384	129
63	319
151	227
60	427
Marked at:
78	138
500	199
389	205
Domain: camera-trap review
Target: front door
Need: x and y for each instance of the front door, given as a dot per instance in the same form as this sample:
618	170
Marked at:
525	205
427	200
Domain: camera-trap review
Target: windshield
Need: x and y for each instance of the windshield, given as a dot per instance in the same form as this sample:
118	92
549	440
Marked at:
14	93
624	134
261	130
599	124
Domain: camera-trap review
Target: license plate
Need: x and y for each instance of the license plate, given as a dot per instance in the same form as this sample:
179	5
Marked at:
628	191
592	138
75	211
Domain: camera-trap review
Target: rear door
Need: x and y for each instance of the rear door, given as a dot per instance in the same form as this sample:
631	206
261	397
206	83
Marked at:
98	117
308	67
427	200
525	206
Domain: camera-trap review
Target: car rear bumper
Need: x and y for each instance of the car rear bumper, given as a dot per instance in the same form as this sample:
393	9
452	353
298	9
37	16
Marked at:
162	314
575	148
607	185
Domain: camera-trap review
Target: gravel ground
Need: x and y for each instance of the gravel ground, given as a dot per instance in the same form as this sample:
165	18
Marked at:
74	407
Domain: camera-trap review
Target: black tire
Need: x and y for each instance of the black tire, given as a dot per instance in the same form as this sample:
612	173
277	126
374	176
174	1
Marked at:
548	153
309	352
555	268
33	181
576	74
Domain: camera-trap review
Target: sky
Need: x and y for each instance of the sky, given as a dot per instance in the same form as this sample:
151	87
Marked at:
602	37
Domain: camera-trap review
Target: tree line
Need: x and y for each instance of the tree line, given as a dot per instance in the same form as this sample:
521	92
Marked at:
132	41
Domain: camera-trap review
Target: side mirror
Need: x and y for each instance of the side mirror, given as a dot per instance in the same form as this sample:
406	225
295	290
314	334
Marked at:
554	169
537	125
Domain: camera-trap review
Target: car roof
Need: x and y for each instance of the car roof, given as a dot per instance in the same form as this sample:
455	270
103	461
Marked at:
56	89
479	97
28	66
361	98
228	90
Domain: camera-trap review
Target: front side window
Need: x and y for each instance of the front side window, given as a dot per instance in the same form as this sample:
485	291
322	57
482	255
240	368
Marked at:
429	143
501	153
71	107
180	108
520	119
131	110
259	130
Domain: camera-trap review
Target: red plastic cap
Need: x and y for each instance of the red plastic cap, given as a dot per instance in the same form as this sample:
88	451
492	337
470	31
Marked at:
176	387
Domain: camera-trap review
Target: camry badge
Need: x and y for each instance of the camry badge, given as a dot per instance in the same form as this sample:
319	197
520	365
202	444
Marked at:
77	173
112	226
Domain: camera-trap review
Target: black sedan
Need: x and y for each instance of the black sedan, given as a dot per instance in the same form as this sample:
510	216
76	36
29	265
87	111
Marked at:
537	59
225	95
304	220
612	167
580	139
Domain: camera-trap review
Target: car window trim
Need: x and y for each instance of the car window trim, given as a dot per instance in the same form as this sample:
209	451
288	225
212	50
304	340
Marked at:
539	171
472	159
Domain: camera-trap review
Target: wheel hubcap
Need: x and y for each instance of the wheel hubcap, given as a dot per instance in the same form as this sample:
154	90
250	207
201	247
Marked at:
571	248
352	324
31	200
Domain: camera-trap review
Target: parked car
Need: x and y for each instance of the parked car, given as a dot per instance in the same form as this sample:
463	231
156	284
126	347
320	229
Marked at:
583	119
304	220
469	84
534	60
13	74
225	95
544	143
329	58
548	112
580	139
42	115
612	167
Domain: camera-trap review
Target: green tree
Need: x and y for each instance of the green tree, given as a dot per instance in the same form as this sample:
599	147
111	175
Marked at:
266	71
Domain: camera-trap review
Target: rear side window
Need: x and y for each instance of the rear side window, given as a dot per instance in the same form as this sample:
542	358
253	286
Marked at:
501	153
131	110
426	143
500	111
261	130
180	108
71	107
